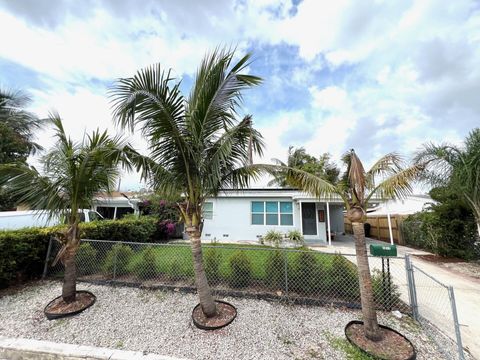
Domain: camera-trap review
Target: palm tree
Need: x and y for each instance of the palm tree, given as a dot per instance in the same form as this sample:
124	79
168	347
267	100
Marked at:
387	179
17	127
73	173
458	166
197	145
299	159
21	123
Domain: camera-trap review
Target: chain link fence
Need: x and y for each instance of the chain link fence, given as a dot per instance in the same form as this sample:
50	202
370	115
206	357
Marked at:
296	276
433	306
299	276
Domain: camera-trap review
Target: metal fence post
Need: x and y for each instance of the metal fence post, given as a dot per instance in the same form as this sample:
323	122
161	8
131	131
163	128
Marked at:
115	259
412	291
285	269
458	335
47	257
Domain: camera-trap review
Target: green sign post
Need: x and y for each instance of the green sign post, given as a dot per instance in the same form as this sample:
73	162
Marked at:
385	251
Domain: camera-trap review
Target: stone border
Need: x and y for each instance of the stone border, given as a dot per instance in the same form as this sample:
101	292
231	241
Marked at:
28	349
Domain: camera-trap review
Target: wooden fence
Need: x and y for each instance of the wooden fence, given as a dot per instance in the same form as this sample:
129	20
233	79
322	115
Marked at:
379	228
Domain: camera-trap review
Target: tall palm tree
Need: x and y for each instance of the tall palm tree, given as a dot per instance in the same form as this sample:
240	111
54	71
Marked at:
17	127
73	172
459	166
197	145
19	122
386	179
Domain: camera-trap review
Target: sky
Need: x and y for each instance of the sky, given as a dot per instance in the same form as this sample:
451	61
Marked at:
376	76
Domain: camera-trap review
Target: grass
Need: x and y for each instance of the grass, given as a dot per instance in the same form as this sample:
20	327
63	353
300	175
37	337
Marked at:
350	351
178	259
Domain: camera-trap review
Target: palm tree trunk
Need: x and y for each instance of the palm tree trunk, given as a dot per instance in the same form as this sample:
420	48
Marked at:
372	331
203	288
69	288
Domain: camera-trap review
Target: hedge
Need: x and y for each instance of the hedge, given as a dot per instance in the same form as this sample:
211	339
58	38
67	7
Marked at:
142	230
22	252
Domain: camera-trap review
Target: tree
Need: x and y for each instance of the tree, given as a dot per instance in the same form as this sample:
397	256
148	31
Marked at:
457	167
17	127
387	179
197	145
299	159
73	173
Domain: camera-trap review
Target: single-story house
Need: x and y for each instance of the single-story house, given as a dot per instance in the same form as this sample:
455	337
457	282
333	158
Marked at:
248	214
116	204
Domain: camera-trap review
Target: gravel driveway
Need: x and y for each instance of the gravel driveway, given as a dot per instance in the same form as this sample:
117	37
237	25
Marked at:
159	322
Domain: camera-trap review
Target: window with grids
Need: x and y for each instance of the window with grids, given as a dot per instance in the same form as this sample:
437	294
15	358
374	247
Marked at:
207	210
272	213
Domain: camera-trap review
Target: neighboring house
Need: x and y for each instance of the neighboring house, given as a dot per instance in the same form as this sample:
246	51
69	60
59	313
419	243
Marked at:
407	206
236	215
116	204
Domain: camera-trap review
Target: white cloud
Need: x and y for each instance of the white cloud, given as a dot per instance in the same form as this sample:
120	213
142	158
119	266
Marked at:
381	75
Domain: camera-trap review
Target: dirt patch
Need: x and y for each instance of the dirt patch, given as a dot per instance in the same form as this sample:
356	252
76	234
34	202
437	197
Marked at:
393	346
225	314
440	259
82	301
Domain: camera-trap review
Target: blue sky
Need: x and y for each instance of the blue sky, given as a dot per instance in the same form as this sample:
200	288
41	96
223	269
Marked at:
377	76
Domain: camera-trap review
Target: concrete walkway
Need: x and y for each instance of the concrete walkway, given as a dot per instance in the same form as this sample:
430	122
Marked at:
433	300
28	349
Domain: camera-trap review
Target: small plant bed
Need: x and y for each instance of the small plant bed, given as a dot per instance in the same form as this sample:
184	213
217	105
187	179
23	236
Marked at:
58	308
226	313
392	346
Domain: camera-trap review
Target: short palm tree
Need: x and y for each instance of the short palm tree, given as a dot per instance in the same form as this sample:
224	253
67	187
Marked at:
72	174
387	179
458	166
197	145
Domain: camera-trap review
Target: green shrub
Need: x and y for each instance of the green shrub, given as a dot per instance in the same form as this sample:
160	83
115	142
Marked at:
117	260
273	237
275	269
22	254
241	272
140	229
212	259
146	267
308	274
343	278
86	259
295	237
385	296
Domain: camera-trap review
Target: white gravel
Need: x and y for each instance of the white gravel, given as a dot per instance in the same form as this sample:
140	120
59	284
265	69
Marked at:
159	322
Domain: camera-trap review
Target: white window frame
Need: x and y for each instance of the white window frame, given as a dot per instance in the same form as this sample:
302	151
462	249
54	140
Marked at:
205	211
264	213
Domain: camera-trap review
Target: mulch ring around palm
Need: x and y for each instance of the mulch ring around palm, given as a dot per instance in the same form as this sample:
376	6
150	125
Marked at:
58	308
393	346
226	313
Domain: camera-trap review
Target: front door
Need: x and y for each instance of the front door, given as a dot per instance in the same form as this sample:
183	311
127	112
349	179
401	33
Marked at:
309	219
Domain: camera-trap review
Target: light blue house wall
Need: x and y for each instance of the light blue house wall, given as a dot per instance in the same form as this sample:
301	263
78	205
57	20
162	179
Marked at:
236	215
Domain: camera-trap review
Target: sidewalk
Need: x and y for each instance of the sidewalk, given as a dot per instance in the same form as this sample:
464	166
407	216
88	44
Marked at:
27	349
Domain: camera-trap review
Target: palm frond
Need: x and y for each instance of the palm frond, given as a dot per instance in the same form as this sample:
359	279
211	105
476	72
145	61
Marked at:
357	178
398	185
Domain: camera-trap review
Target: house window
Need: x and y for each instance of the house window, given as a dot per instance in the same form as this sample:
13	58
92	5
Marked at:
286	213
272	213
258	212
208	210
